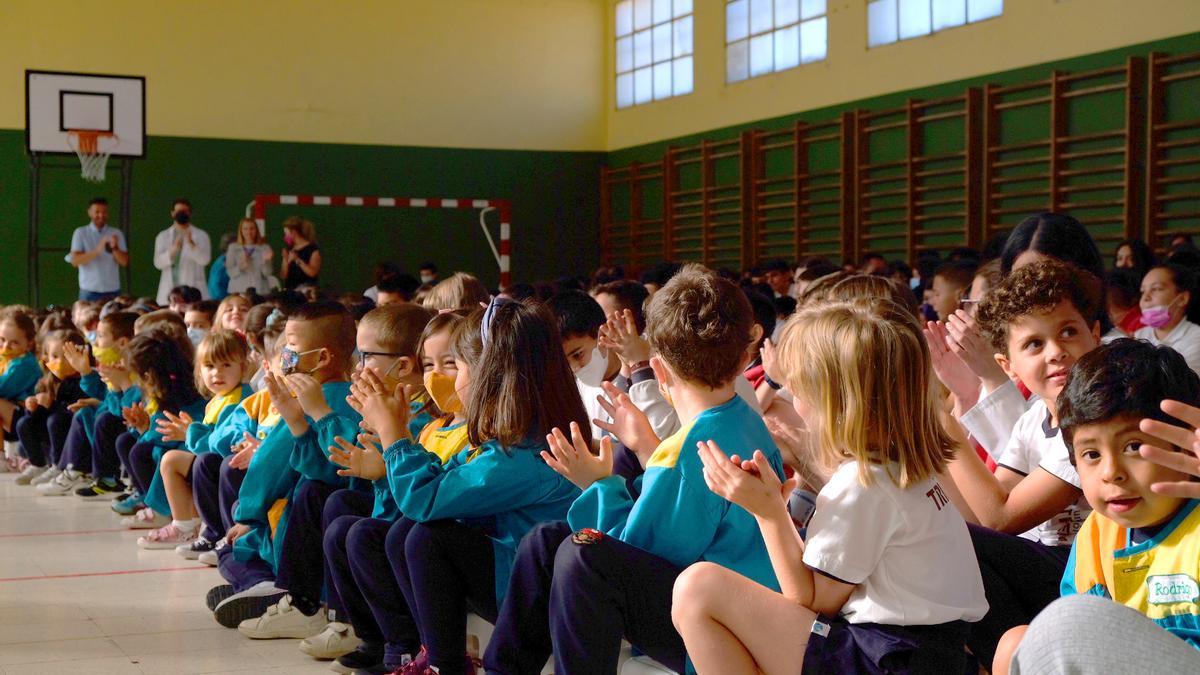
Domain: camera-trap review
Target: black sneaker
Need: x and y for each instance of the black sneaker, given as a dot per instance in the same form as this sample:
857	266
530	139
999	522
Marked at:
216	594
102	489
249	604
367	658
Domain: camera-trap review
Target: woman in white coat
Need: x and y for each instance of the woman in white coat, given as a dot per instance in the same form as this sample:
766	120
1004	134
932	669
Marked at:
181	252
249	260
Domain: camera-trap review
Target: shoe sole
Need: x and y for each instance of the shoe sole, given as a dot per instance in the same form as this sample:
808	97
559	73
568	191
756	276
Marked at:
205	562
159	546
321	655
233	611
217	594
187	555
96	498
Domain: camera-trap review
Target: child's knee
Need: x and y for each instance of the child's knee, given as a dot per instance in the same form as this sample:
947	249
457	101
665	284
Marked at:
693	590
1006	648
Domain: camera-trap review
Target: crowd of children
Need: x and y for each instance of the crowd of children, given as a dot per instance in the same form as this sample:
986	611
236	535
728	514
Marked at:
983	462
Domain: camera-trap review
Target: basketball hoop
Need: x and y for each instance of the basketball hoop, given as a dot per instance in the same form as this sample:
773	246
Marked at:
92	148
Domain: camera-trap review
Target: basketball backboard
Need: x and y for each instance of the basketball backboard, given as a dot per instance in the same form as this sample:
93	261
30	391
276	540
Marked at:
57	102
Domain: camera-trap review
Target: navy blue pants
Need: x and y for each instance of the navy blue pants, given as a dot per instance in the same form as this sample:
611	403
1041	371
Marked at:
521	642
105	460
1020	578
242	575
607	590
43	433
139	462
450	569
301	556
77	451
215	488
125	442
372	596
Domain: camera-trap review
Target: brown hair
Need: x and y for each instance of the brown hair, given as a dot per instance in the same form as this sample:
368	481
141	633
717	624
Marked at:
1033	289
171	325
858	286
121	324
522	386
258	238
864	370
48	382
466	343
22	320
456	291
445	322
302	226
399	327
219	346
821	287
700	325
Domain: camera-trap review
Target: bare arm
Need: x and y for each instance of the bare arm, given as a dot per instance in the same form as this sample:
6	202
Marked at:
313	267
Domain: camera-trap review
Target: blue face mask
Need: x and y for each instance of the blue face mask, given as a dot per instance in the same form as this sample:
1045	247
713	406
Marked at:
913	283
289	360
196	335
91	337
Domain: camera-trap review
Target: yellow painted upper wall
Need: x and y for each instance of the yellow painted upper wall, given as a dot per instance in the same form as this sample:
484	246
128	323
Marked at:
514	74
1030	32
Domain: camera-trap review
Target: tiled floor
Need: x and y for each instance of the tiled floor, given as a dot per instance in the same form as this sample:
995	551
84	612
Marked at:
78	596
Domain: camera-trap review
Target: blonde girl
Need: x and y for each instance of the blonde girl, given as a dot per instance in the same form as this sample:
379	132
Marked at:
231	313
222	366
887	562
248	261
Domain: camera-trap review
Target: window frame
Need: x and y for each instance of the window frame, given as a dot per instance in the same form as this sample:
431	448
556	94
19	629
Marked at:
932	17
680	61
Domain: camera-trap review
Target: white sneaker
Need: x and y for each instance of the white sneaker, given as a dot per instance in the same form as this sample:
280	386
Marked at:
64	483
26	477
48	475
167	536
282	620
208	558
146	519
338	639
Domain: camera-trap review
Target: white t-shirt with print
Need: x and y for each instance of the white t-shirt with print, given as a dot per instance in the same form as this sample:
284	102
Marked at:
908	551
1035	443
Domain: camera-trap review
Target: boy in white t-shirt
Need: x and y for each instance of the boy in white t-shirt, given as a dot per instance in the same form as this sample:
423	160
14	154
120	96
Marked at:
1036	319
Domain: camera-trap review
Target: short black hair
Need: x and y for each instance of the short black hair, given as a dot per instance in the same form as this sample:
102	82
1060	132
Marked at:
765	315
629	295
181	200
660	274
186	294
428	266
1125	377
776	265
521	291
959	272
403	284
577	312
97	201
1124	287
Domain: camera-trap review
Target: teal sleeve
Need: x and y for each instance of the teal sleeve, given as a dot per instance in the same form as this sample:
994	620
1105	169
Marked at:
672	518
311	454
230	431
493	481
269	477
1067	586
112	403
94	386
18	380
197	437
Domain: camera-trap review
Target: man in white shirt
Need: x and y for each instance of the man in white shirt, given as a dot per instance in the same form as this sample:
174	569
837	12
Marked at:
181	252
98	251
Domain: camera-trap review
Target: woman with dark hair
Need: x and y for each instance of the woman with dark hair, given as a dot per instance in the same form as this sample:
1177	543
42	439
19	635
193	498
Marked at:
1166	304
1051	235
1134	254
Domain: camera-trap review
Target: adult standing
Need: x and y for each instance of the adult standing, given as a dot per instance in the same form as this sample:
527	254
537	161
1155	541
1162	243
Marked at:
98	250
249	260
301	260
181	251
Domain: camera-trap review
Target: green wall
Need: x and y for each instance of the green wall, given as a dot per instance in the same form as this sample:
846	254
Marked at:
555	199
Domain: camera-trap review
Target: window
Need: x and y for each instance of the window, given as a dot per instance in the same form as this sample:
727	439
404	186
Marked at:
766	36
654	50
892	20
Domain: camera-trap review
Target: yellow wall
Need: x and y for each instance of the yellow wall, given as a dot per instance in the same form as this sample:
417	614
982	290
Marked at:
514	74
1030	32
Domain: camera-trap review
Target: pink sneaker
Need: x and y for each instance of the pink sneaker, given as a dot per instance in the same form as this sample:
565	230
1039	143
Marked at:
145	519
168	536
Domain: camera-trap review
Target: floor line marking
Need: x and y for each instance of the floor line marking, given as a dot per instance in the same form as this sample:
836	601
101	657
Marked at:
76	575
61	534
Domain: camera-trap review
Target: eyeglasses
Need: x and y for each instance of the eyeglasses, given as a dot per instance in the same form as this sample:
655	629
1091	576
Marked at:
362	357
968	305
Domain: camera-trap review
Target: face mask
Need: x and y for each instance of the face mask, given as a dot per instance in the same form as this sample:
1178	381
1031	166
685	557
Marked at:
196	335
9	353
107	356
913	283
441	390
1157	316
183	217
593	373
288	240
427	278
289	360
91	337
61	369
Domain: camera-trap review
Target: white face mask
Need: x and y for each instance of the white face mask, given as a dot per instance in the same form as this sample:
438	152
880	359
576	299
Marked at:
196	335
593	373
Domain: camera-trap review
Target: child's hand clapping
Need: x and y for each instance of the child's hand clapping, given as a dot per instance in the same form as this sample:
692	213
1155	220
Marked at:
363	460
174	427
83	403
116	375
308	392
751	484
289	407
78	357
619	335
384	409
31	403
573	459
629	424
243	452
949	367
136	417
969	344
770	362
1181	437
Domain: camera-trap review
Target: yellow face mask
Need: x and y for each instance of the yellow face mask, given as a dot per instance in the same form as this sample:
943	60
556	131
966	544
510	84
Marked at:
107	356
61	369
441	390
9	354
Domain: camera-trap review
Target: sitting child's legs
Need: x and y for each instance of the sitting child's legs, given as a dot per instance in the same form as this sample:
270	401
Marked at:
206	477
301	558
375	591
176	470
31	430
76	451
141	465
105	461
58	426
